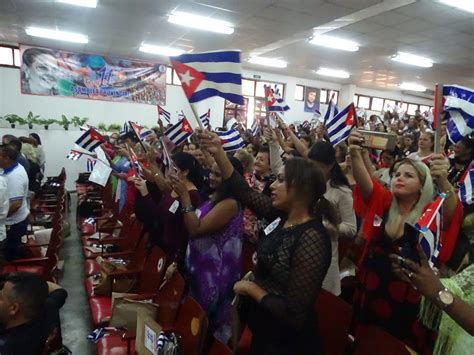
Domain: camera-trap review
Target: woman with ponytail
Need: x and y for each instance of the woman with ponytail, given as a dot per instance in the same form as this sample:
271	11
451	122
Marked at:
293	256
339	193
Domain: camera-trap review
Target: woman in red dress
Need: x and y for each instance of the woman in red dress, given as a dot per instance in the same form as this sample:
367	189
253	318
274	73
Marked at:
381	299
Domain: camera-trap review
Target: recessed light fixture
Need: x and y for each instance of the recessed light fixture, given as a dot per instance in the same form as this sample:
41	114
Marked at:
269	62
412	59
335	42
83	3
465	5
160	50
56	34
412	87
335	73
200	22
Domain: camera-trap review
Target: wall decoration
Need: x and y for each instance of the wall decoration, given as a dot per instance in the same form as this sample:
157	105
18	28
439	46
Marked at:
87	76
312	97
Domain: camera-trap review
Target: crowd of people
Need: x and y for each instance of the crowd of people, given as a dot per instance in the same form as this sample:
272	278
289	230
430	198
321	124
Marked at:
295	199
291	196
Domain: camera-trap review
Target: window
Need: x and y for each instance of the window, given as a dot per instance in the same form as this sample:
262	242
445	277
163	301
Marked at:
248	87
424	108
169	75
299	93
412	108
9	56
389	105
377	104
363	102
324	96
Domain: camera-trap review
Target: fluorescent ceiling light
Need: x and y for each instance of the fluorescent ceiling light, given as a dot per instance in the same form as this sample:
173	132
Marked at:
269	62
334	42
166	51
55	34
412	87
465	5
335	73
200	22
83	3
412	59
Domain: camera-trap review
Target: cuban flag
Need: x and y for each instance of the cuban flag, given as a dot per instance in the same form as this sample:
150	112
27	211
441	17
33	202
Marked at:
90	140
459	108
179	132
274	100
140	131
74	155
125	129
255	127
205	119
339	127
210	74
164	113
331	111
429	226
134	161
466	195
90	164
231	140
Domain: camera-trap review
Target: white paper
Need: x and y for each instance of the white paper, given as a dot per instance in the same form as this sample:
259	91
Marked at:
101	172
174	207
150	339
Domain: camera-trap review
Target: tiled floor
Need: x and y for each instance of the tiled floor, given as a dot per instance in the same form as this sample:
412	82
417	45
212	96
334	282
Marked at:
75	315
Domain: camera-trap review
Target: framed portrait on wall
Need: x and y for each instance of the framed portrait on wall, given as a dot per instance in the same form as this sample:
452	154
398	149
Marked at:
312	98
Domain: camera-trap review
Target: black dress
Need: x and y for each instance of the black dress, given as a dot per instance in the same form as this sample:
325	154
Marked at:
292	263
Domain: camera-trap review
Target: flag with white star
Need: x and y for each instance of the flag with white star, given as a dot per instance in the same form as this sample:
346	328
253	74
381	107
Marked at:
210	74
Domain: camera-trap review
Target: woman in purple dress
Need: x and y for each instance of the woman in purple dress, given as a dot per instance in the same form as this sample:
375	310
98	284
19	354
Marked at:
215	245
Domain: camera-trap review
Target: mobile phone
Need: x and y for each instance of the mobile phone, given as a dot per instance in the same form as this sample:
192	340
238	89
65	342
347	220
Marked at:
409	243
378	140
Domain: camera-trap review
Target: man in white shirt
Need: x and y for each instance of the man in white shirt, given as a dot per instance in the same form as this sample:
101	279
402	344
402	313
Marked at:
17	192
4	206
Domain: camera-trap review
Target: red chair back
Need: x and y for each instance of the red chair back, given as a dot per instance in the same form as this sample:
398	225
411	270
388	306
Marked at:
191	325
334	319
374	341
152	271
219	348
169	298
248	258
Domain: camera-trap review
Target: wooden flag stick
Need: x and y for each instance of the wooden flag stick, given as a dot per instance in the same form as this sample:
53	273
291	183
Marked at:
196	116
136	135
438	109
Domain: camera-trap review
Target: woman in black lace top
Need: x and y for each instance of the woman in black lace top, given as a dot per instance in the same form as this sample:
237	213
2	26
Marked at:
293	256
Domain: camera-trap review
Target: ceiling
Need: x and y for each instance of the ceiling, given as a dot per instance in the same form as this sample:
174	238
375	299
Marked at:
275	28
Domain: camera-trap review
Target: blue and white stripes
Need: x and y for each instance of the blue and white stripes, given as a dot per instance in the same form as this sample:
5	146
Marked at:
459	108
340	126
231	140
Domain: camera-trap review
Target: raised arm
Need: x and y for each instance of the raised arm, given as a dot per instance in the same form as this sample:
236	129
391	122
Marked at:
275	159
299	146
257	202
359	170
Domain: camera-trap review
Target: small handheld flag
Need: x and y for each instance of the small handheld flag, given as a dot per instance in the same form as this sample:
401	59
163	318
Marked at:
125	129
459	108
339	127
90	140
231	140
179	132
210	74
74	155
255	127
274	100
90	164
466	194
331	111
164	113
205	119
429	226
140	131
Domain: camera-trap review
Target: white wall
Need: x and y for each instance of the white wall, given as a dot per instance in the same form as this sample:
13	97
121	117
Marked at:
58	142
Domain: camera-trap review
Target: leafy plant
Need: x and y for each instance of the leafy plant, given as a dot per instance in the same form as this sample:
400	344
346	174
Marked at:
102	127
64	122
114	128
46	122
77	121
14	119
32	119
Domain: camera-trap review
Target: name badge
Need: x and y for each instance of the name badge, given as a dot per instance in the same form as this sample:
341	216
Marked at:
271	227
198	213
174	206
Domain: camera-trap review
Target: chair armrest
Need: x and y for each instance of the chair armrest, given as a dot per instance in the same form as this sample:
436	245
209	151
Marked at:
118	253
29	261
142	296
33	245
125	272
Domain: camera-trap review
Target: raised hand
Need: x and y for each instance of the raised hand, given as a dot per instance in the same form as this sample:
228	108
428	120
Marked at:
209	141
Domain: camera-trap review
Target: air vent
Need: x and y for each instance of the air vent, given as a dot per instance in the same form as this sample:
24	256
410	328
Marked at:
428	94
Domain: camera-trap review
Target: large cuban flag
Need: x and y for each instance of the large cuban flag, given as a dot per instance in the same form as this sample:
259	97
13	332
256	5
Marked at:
209	74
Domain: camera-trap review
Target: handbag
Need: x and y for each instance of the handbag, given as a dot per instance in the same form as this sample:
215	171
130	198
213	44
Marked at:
107	284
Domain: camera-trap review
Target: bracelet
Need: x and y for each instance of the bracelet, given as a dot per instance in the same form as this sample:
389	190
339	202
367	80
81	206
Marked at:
187	209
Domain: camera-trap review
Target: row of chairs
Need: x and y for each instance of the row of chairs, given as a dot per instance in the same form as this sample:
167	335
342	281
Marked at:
177	312
147	265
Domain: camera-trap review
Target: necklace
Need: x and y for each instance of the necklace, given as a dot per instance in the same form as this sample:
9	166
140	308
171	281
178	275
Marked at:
304	220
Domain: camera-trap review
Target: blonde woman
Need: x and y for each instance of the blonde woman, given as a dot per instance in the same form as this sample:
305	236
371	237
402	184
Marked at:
382	299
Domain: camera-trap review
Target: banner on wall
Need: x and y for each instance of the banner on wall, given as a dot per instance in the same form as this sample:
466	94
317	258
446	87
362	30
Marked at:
312	97
54	72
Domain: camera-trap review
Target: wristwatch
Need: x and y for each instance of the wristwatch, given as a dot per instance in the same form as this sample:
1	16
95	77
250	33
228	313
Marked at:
445	298
187	209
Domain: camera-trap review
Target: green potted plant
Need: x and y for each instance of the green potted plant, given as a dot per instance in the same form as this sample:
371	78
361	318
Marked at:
77	121
14	119
114	128
31	119
102	127
46	122
64	122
